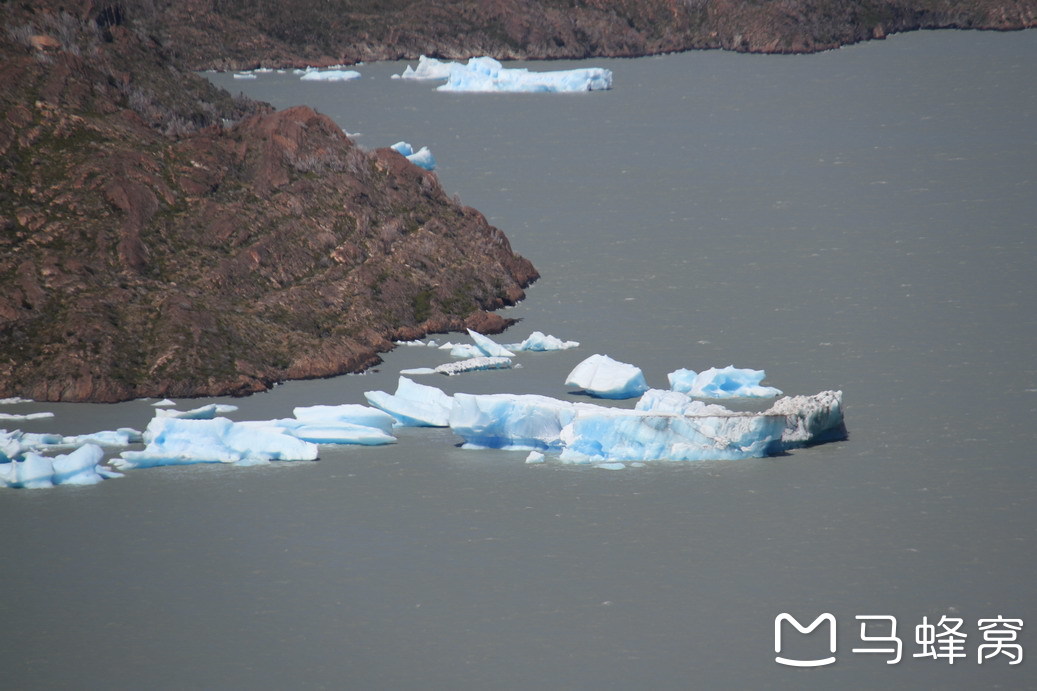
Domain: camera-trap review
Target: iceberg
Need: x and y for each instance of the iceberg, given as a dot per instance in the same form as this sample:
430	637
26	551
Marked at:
25	416
539	342
602	377
428	68
179	441
205	412
662	401
81	467
327	432
352	413
329	75
485	74
811	420
413	404
510	421
465	350
473	364
422	158
488	346
728	382
610	435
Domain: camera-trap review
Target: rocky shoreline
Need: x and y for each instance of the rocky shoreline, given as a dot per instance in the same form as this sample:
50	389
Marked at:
235	34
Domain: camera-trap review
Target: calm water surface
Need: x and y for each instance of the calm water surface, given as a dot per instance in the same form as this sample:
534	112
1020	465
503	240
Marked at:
861	219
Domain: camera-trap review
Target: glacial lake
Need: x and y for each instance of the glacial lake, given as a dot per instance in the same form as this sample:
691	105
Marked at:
861	219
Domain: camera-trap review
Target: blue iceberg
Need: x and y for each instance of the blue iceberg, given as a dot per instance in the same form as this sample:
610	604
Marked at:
488	346
422	158
612	435
352	413
510	421
413	404
488	75
602	377
81	467
177	441
329	75
539	342
727	382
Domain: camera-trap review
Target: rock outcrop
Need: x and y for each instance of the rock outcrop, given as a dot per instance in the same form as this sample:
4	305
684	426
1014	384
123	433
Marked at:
158	238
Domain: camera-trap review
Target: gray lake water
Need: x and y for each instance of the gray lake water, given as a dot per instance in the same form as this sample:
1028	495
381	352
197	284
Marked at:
862	219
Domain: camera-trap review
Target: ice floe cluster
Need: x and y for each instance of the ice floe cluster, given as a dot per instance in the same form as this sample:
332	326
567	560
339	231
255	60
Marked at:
662	425
485	74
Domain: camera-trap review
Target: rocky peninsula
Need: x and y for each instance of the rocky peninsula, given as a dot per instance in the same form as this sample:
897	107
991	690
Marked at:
161	238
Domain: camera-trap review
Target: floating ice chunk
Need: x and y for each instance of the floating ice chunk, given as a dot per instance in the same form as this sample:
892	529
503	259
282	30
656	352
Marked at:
418	370
177	441
25	416
205	412
328	431
540	342
535	457
11	446
811	420
15	399
164	403
466	350
431	343
488	346
81	467
244	75
413	404
428	68
728	382
662	401
329	75
353	413
488	75
611	466
124	436
474	364
422	158
603	377
611	434
510	421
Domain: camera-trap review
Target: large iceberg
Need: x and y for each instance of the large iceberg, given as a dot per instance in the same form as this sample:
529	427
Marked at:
329	75
726	382
177	441
413	404
488	75
422	158
510	421
623	435
602	377
81	467
811	420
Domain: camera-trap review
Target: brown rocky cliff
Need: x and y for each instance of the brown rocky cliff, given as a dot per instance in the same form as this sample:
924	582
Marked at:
147	248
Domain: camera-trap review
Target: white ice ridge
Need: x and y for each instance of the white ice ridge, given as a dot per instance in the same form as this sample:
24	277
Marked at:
727	382
422	158
473	365
488	346
175	441
205	412
488	75
314	75
602	377
81	467
413	404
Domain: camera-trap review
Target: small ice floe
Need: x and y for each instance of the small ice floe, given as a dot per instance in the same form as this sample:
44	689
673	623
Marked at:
602	377
539	342
727	382
422	158
81	467
205	412
473	365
